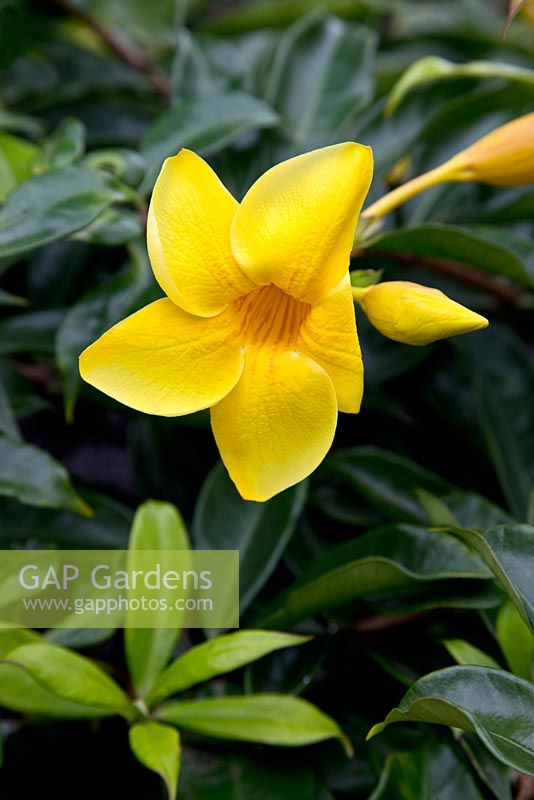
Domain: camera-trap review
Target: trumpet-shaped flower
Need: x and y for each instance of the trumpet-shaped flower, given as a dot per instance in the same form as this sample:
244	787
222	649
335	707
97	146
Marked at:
412	314
258	324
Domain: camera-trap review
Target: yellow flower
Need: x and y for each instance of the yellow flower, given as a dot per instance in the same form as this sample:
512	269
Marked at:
258	323
504	157
414	314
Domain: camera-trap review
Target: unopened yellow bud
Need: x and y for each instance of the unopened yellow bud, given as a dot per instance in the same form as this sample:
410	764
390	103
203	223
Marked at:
505	157
412	314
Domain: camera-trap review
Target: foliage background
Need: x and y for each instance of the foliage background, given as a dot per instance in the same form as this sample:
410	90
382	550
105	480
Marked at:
93	96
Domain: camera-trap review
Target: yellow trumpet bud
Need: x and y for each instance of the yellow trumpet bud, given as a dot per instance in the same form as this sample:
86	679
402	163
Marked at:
504	157
413	314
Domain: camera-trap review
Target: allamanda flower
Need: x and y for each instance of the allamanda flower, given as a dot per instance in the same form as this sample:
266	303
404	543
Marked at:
258	324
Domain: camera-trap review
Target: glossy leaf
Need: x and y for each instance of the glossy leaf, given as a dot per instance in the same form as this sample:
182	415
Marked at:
217	657
475	246
508	550
260	531
156	526
270	719
432	771
501	370
492	703
393	559
157	747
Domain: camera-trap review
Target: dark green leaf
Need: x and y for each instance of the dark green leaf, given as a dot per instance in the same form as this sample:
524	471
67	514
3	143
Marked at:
93	314
388	481
52	206
205	124
394	559
492	703
508	550
501	369
430	772
32	476
260	531
210	776
477	246
320	79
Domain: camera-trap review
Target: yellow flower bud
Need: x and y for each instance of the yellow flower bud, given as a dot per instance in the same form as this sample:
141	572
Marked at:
505	157
413	314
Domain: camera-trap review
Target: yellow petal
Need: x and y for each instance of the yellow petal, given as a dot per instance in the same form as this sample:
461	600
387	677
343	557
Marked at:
295	226
188	237
162	360
328	335
278	423
414	314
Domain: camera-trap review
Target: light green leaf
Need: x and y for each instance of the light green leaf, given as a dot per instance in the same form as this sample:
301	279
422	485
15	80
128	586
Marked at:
10	638
205	124
216	657
433	68
157	747
508	550
392	560
32	476
499	707
268	718
467	654
72	677
21	693
16	160
260	531
52	206
516	641
156	526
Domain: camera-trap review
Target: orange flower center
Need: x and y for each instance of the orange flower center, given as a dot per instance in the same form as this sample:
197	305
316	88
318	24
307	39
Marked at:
268	314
